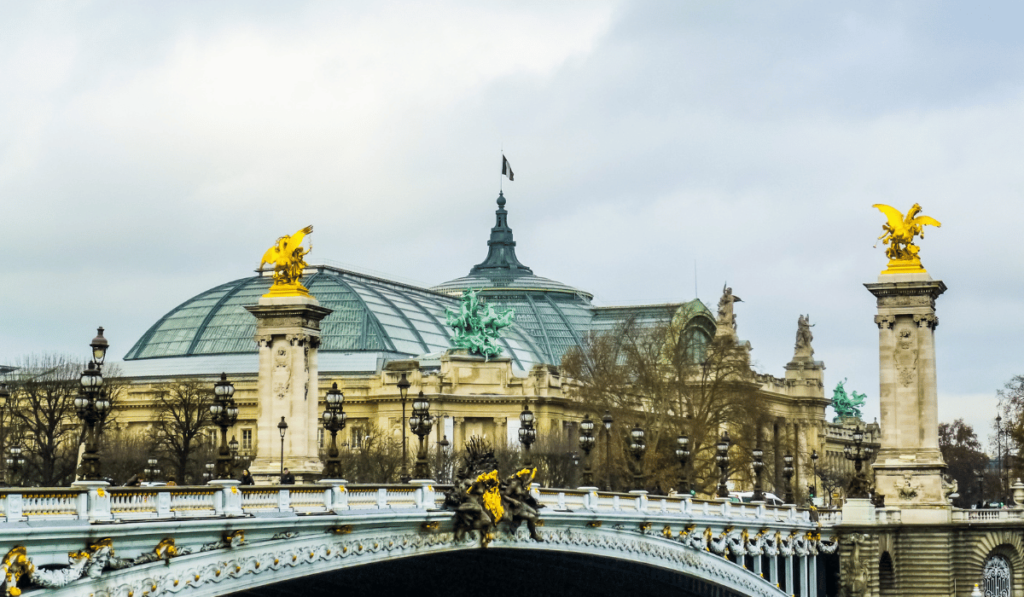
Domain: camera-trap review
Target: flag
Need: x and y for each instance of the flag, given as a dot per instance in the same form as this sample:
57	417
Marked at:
506	168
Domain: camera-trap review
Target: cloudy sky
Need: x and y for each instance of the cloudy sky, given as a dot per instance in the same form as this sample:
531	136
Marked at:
151	151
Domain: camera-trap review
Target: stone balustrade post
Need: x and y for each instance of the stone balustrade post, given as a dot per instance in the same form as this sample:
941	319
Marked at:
382	498
227	500
98	500
424	493
641	499
15	507
163	504
335	494
284	500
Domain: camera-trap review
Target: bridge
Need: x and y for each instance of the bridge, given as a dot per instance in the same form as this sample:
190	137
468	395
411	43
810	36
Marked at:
216	540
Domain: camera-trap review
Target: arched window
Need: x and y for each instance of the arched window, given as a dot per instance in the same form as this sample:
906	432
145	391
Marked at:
996	577
695	343
886	575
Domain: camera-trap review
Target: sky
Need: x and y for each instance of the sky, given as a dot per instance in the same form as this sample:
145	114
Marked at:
150	151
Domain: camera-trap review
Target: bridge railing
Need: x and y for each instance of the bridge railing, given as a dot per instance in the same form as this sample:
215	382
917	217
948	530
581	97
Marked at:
105	504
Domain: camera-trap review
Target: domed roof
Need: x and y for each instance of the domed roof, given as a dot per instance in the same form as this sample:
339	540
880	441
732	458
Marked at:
555	315
369	315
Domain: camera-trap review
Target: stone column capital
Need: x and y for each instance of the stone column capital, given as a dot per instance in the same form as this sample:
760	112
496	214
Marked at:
929	321
885	322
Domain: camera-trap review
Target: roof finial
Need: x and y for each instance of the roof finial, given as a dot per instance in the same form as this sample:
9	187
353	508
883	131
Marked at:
501	199
501	249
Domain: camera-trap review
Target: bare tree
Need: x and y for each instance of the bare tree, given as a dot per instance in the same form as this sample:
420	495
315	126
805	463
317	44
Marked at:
834	479
671	380
125	454
377	458
182	413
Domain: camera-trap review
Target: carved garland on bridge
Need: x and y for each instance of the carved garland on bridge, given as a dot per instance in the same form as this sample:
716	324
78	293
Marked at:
99	557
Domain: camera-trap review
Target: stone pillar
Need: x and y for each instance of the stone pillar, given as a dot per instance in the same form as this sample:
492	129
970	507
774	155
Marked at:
773	570
812	582
909	466
458	433
804	586
789	575
288	335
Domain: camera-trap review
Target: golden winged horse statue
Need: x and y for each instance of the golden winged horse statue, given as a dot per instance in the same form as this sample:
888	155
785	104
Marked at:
899	233
287	258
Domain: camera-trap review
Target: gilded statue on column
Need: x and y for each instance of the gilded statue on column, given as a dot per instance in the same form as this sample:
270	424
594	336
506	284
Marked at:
287	258
898	233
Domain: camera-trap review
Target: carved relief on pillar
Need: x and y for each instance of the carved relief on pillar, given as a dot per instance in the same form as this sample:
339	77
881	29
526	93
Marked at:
885	322
905	355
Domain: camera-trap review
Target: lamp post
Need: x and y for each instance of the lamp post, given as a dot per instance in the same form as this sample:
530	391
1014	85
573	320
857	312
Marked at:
980	475
722	458
14	463
999	453
421	423
151	470
5	394
90	407
683	454
607	421
758	465
787	473
208	474
233	447
403	391
527	432
859	485
282	428
814	471
225	414
637	447
442	449
334	421
587	442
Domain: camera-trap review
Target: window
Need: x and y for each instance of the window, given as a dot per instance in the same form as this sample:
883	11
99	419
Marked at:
212	437
247	439
320	438
996	577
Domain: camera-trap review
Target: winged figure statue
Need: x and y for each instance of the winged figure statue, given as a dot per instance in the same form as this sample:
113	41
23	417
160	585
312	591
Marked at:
899	233
287	258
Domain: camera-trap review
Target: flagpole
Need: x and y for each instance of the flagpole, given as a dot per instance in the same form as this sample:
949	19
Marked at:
502	173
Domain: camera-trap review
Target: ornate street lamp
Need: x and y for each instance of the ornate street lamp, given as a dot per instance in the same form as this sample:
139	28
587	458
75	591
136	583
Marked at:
787	472
999	454
980	475
637	447
233	448
722	458
99	347
421	423
403	391
683	454
14	463
151	470
859	485
91	406
758	465
225	414
587	442
814	470
208	475
334	421
282	428
607	421
527	432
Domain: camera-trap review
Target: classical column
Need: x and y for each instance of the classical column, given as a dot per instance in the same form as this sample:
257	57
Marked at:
773	569
288	336
909	465
458	433
812	570
757	565
804	586
789	575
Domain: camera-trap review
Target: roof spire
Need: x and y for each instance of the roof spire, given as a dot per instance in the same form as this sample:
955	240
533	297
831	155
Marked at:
501	249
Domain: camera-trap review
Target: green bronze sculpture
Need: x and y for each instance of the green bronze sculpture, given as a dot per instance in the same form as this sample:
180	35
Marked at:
846	406
476	325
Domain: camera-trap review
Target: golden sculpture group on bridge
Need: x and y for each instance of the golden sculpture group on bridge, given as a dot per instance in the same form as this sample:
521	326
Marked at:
287	258
899	233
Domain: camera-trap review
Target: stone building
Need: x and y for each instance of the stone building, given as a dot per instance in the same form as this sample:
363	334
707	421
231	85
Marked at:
379	329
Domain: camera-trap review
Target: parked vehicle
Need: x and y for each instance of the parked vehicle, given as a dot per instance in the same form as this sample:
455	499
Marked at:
748	496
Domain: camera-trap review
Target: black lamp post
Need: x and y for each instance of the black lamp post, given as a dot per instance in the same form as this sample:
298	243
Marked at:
14	463
208	474
334	421
587	442
683	454
151	470
225	414
758	465
980	475
637	447
607	421
722	458
5	395
403	391
787	472
527	432
859	486
233	447
282	428
91	406
421	423
999	454
814	471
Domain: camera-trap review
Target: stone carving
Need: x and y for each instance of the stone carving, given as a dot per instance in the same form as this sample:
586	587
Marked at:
477	325
726	318
287	257
905	357
949	487
926	321
885	321
481	501
804	337
906	489
855	569
844	405
898	233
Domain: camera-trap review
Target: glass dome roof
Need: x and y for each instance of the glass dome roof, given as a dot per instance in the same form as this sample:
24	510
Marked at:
369	315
